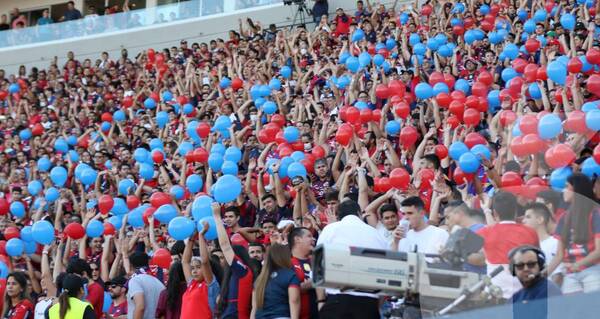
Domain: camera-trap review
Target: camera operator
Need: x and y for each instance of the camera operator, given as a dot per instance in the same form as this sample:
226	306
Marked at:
320	9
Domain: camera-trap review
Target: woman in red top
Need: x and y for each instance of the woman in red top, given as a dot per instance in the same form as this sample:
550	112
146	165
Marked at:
16	300
200	296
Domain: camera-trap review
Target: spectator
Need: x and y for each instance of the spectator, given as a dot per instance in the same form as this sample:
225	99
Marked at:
45	19
143	290
117	289
4	22
277	289
319	9
16	299
342	21
502	237
71	13
20	22
169	301
256	251
95	292
527	263
301	243
459	215
69	302
421	237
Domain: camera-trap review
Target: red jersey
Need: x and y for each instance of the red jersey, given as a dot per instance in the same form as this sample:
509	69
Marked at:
574	252
303	270
194	302
22	310
501	238
96	297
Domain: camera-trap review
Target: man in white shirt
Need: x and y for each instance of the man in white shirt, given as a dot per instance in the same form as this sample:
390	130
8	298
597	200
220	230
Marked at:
421	237
538	217
350	230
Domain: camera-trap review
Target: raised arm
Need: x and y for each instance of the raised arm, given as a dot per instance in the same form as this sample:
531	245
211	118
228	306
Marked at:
223	239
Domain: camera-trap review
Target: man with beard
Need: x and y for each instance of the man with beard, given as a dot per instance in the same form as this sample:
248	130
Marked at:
118	291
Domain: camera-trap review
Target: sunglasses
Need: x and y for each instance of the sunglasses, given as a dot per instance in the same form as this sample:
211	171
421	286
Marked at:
113	286
530	265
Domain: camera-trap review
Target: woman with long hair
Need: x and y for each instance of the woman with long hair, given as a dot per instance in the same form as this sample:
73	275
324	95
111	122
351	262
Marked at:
277	289
69	303
199	299
579	237
16	299
169	301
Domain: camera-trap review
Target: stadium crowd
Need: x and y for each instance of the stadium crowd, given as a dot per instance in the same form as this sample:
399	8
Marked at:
195	181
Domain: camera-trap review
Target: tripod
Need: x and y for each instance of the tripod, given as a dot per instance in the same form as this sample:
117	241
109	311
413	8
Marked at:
300	16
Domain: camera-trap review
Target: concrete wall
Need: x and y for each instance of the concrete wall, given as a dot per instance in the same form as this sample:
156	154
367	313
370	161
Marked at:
158	36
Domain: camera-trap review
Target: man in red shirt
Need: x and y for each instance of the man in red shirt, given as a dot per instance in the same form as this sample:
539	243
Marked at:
501	237
301	243
343	22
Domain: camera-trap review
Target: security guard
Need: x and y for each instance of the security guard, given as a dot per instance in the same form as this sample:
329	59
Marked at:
70	305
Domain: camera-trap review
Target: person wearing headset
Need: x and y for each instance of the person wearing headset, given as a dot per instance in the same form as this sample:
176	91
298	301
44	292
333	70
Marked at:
527	263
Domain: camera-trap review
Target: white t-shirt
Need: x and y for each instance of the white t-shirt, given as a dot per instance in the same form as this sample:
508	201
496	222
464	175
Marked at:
550	247
40	308
387	234
427	241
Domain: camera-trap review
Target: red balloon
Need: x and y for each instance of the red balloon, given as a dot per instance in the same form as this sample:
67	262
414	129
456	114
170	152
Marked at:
471	117
427	175
457	108
298	146
472	102
264	137
384	184
494	9
473	139
541	74
486	78
460	30
399	178
155	96
397	88
511	179
343	137
3	95
279	139
593	84
109	229
237	84
161	258
468	22
515	85
278	119
441	151
203	129
532	45
159	198
443	99
517	148
151	55
132	201
479	89
426	10
486	25
459	176
11	232
352	114
597	153
127	101
408	136
575	122
593	56
559	155
147	213
507	117
366	115
37	129
285	150
530	72
106	117
458	96
382	91
4	206
519	65
271	129
74	231
449	80
157	157
402	109
533	143
318	152
529	124
436	77
182	100
575	65
453	121
377	115
201	155
3	256
105	204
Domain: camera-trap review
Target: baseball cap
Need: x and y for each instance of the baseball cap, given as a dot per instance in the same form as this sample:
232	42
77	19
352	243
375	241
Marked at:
119	281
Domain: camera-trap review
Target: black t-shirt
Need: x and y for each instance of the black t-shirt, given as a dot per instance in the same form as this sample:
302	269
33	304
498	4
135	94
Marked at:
4	26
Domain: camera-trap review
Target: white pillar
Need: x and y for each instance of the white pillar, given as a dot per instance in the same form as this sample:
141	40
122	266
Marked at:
151	3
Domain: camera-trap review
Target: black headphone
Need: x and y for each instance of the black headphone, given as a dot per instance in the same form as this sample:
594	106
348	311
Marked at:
541	257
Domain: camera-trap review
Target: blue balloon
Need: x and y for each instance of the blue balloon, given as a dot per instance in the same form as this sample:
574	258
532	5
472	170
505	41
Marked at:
26	234
51	194
14	247
270	107
392	127
223	122
508	74
149	103
43	164
29	247
592	120
414	39
378	59
17	209
462	85
165	213
119	207
390	44
177	192
167	96
529	26
225	83
218	148
456	22
433	44
60	145
291	134
297	156
494	37
468	162
275	84
423	91
361	105
567	21
14	88
511	51
343	56
43	232
480	150
469	37
343	82
34	187
403	18
419	49
364	59
484	9
88	176
108	164
188	108
440	87
534	91
285	71
136	217
25	134
201	207
386	65
146	171
141	155
184	148
587	66
445	51
589	168
352	64
283	166
119	116
94	229
296	169
3	270
233	154
181	228
58	175
379	46
215	161
540	15
105	126
73	155
441	38
558	178
162	118
227	188
458	8
457	149
549	126
264	90
156	143
557	72
211	234
522	14
125	186
116	221
358	35
91	204
194	183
